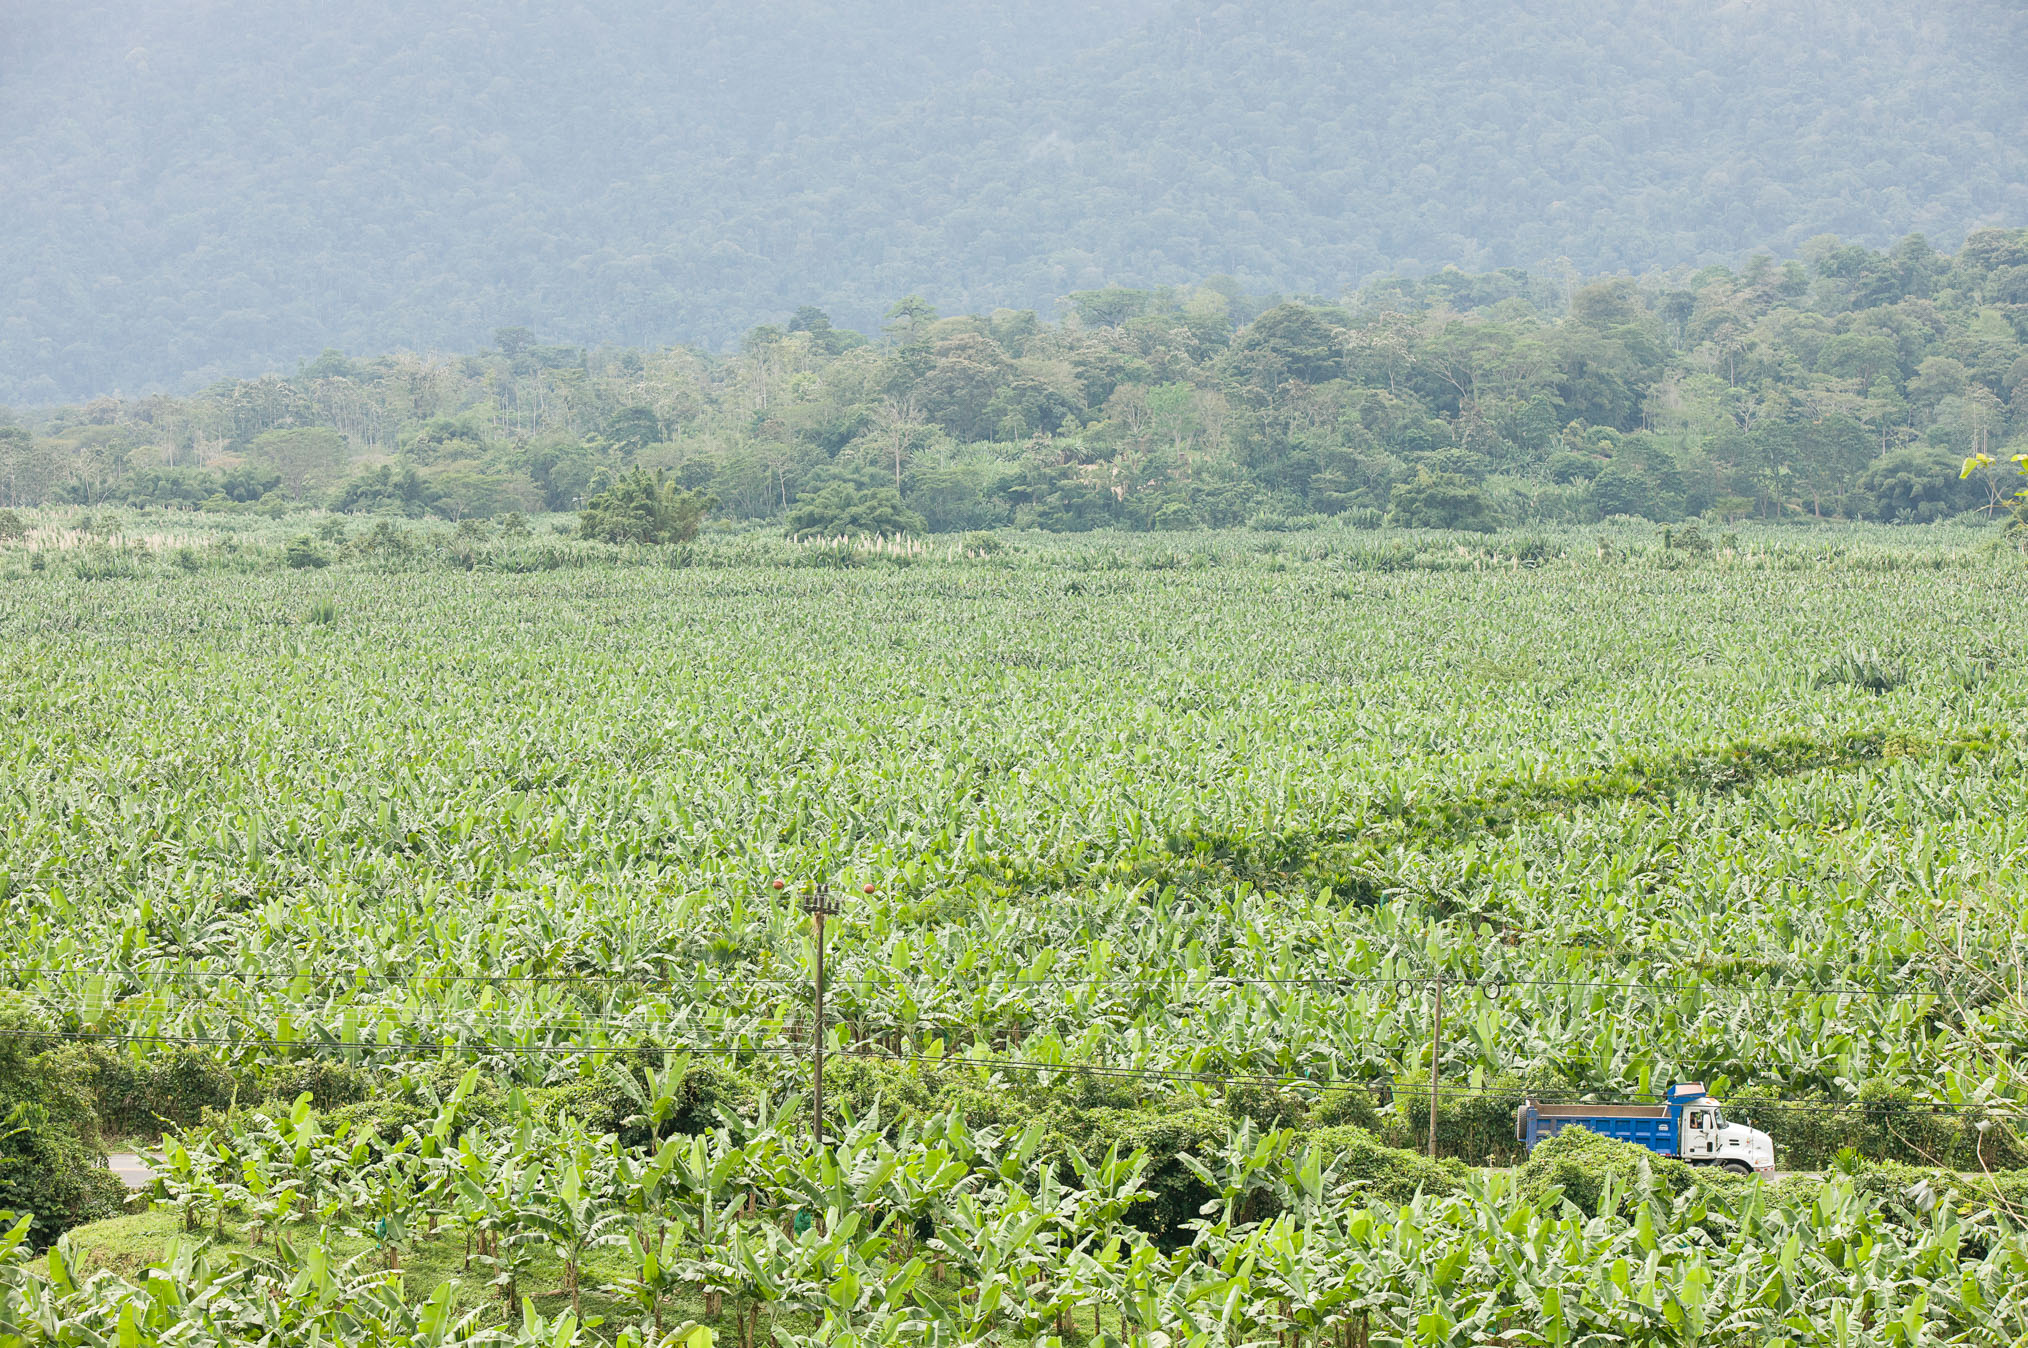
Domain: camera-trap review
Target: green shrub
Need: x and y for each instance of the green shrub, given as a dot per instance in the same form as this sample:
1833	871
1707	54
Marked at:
329	1084
386	538
710	1091
51	1164
1686	538
382	1116
11	525
1352	1104
1268	1106
1909	1192
899	1089
1794	1191
1580	1162
603	1105
1382	1173
303	553
136	1095
1914	1190
1177	1195
637	508
841	510
1440	501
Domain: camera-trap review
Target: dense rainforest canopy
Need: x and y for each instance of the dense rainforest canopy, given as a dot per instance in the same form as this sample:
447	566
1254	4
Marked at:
1853	383
214	189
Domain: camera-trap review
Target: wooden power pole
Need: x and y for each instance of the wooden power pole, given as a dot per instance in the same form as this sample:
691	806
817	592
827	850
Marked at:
1436	1049
819	904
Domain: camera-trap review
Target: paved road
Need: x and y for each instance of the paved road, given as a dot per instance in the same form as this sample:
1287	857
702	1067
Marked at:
131	1169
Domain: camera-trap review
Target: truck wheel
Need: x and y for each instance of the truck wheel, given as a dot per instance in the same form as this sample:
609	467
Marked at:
1735	1167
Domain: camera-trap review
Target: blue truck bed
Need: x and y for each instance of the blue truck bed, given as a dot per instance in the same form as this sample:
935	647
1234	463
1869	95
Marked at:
1650	1126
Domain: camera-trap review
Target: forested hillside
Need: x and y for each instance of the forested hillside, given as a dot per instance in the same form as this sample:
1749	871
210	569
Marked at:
1853	384
220	188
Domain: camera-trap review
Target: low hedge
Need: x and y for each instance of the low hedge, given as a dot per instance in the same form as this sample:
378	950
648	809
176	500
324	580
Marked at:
707	1094
1382	1173
137	1093
1886	1124
1476	1127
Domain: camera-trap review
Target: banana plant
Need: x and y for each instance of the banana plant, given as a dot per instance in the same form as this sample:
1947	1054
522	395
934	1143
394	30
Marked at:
271	1193
644	1185
498	1196
851	1174
379	1197
989	1245
568	1214
657	1096
1107	1190
187	1176
1238	1174
753	1267
534	1331
683	1336
655	1272
704	1178
388	1317
313	1157
932	1169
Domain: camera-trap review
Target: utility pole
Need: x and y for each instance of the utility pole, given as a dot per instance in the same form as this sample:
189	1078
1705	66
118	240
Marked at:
819	904
1436	1047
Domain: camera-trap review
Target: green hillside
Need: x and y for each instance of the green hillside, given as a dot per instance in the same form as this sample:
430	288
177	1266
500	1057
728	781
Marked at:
219	190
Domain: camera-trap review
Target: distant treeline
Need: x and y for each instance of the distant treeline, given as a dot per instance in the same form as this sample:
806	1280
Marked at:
1850	384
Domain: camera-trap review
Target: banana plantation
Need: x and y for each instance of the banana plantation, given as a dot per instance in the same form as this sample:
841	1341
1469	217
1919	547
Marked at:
431	922
938	1233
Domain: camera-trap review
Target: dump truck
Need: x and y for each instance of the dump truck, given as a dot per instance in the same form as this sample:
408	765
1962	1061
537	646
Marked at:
1687	1125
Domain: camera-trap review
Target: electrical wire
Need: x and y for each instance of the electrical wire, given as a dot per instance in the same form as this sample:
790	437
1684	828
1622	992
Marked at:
1490	983
868	1049
394	1049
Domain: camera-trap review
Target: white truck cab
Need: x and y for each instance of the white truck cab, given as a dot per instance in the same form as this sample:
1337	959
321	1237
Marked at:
1709	1139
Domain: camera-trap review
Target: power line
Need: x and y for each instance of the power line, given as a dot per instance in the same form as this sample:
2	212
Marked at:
1493	984
367	1016
277	976
394	1049
1214	1078
1490	983
868	1049
371	1013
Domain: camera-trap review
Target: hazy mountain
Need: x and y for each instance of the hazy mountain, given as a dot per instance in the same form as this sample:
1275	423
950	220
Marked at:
221	186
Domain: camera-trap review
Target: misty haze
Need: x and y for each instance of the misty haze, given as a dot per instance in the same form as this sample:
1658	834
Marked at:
930	675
